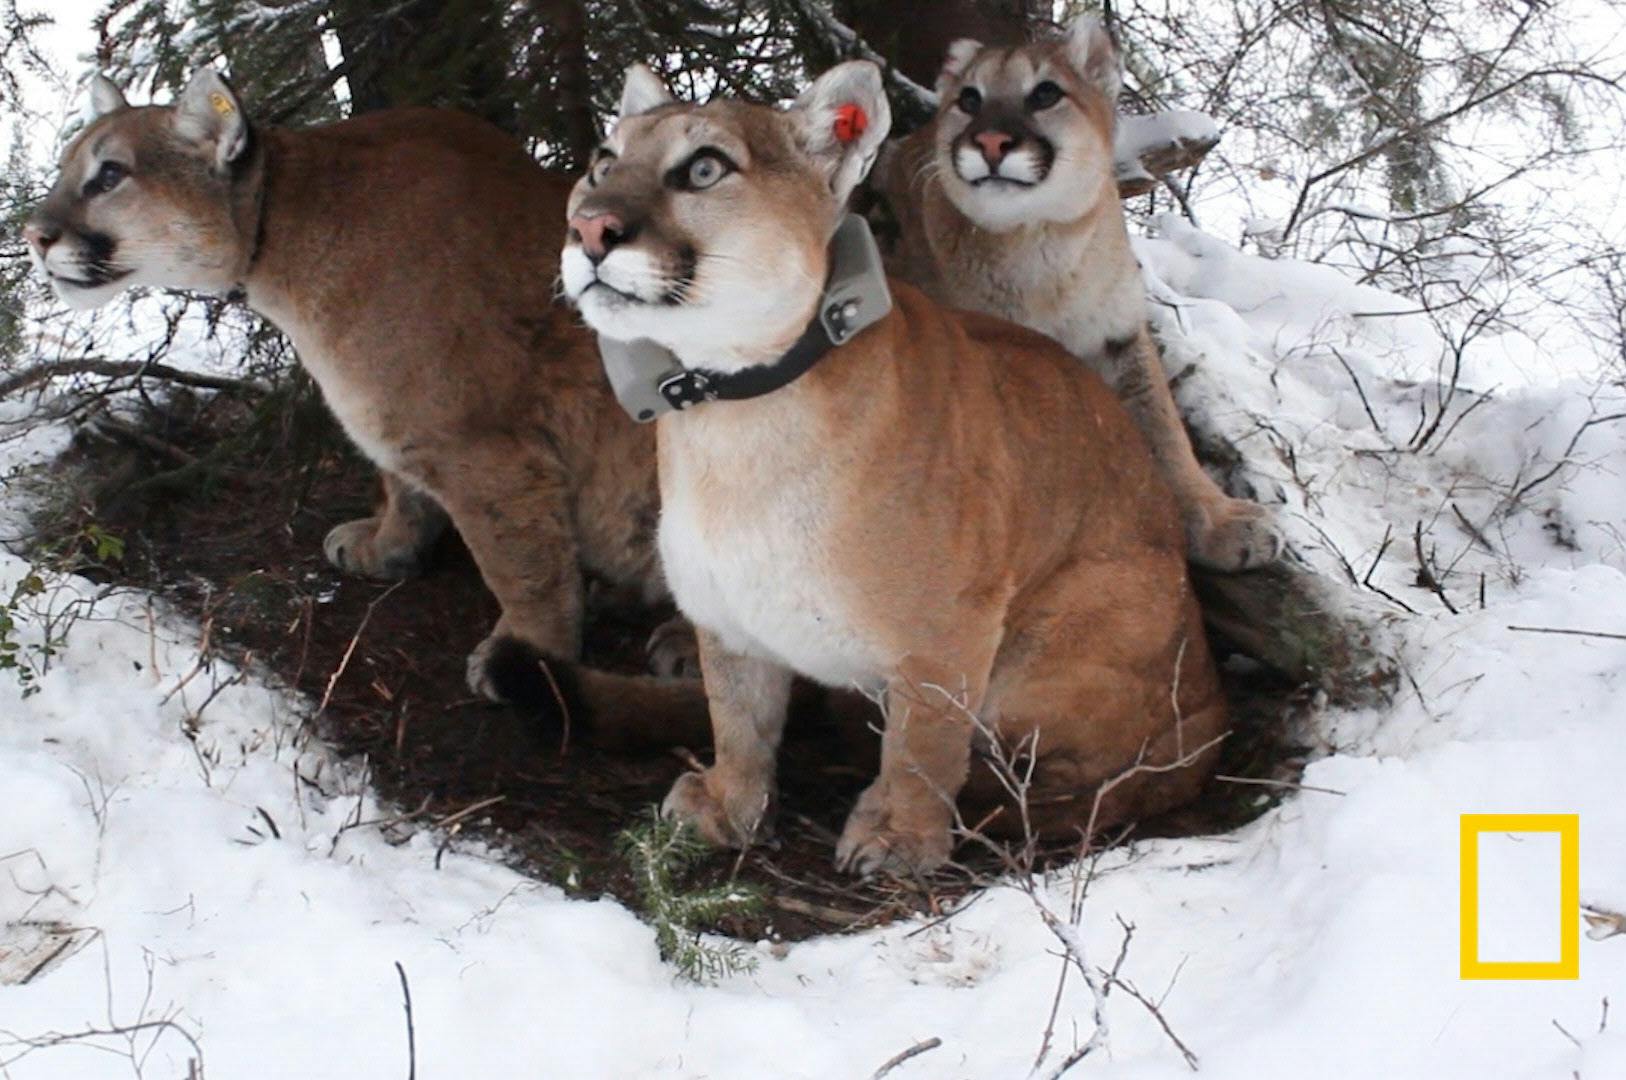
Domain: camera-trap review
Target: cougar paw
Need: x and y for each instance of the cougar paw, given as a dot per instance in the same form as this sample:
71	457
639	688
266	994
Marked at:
877	841
353	548
1238	535
482	679
729	816
673	650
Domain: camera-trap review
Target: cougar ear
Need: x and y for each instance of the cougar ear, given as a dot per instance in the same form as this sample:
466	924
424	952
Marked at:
209	113
105	96
841	121
642	92
955	61
1091	51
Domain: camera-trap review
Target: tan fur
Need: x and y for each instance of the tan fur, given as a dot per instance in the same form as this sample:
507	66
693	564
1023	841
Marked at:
948	511
1054	256
410	257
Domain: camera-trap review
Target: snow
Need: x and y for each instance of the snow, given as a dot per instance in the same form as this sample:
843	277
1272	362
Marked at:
201	860
1320	940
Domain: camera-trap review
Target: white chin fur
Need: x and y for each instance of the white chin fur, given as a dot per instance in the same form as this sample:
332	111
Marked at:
726	324
1002	207
83	297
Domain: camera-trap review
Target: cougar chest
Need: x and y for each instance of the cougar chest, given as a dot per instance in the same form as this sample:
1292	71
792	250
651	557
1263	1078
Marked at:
748	543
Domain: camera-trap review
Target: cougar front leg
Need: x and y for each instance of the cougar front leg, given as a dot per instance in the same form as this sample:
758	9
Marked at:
393	544
731	803
511	502
903	821
1222	533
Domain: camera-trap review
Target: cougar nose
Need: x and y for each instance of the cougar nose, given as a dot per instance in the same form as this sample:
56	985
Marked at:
995	145
41	237
599	233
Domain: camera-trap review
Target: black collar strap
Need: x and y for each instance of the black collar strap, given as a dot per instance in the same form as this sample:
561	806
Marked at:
649	381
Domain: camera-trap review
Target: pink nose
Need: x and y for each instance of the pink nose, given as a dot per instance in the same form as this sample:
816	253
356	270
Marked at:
598	233
995	145
41	237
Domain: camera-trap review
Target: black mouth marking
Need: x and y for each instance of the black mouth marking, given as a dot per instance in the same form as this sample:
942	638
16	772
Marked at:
1046	151
97	263
600	283
688	264
95	277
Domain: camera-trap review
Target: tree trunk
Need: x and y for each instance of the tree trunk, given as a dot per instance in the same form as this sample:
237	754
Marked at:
914	35
560	58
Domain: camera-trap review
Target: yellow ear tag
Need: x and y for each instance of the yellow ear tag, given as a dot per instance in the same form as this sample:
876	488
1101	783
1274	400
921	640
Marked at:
221	103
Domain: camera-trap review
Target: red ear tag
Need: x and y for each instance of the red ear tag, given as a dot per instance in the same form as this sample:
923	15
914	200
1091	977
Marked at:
851	121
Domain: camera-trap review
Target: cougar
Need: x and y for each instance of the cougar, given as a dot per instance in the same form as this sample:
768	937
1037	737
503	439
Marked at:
946	511
409	255
1006	203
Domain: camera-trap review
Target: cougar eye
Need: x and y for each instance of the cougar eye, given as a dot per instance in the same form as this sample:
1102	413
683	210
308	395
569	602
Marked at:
705	168
601	166
970	100
704	171
1043	96
108	177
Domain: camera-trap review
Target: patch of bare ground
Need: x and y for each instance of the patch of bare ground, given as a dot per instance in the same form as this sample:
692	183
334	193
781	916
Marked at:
222	502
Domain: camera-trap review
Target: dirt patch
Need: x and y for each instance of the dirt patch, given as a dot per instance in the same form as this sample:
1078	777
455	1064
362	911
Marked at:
222	503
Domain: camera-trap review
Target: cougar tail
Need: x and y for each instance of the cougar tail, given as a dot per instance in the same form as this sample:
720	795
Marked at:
617	712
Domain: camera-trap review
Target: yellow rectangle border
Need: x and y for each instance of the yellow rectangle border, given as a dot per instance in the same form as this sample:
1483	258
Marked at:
1568	964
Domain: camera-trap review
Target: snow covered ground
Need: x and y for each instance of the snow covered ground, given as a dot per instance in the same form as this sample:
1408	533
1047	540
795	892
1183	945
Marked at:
194	855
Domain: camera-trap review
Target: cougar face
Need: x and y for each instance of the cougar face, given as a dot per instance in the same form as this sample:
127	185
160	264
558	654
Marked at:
145	196
703	227
1025	134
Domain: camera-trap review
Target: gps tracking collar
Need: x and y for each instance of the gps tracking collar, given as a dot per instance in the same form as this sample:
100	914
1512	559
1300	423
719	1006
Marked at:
648	380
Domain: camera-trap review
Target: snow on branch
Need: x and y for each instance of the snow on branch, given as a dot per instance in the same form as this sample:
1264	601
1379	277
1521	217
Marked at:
1152	146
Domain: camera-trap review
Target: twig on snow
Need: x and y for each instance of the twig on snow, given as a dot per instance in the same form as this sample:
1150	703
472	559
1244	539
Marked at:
1571	633
914	1051
412	1035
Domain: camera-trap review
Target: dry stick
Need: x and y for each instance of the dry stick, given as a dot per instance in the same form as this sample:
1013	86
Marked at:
1278	783
914	1051
824	913
1359	389
472	808
1157	1014
1388	538
1472	530
564	710
1564	458
1571	633
412	1036
1425	573
349	650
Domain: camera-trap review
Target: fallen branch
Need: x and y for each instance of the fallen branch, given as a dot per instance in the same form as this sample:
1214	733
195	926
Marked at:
1147	150
123	369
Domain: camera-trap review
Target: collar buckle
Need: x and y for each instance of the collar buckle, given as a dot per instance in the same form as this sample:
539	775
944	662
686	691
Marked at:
683	389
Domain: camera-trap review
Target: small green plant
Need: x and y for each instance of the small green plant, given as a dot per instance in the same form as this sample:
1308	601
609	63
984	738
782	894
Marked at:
34	600
16	657
662	854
